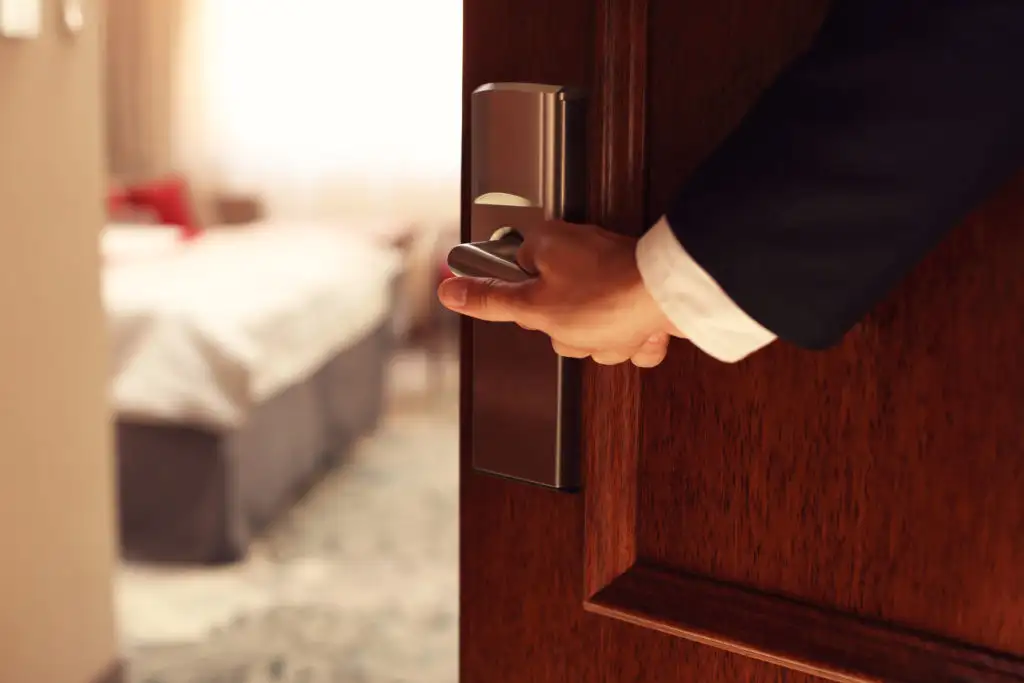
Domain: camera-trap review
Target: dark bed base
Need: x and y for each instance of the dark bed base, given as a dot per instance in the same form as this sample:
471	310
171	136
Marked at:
194	495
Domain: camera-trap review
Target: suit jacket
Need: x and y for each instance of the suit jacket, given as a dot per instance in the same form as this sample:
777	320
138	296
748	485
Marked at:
902	117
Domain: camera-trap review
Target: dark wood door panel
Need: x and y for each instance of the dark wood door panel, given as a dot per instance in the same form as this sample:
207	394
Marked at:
884	478
794	531
525	41
521	596
523	581
896	494
851	514
770	521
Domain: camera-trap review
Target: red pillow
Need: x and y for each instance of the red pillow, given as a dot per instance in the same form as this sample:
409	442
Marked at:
170	199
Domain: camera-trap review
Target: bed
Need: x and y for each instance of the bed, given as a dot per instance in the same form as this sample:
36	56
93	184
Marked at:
243	363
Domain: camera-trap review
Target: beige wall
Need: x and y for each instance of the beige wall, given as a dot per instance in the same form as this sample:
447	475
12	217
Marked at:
142	44
56	496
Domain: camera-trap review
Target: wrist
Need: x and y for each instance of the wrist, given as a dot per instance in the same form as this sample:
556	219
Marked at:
645	308
691	299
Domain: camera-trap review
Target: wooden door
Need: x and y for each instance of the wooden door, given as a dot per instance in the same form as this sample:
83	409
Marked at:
856	514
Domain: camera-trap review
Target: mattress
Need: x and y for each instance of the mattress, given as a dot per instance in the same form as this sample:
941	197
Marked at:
195	495
202	331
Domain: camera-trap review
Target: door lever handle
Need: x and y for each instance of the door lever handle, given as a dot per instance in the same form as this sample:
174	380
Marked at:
493	258
527	149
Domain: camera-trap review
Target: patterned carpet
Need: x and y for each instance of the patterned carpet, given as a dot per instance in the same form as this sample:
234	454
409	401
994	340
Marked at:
356	584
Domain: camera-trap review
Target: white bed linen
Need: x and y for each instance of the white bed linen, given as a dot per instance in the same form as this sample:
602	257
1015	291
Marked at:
203	330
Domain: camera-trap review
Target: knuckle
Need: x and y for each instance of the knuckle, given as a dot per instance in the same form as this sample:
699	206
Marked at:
534	308
544	252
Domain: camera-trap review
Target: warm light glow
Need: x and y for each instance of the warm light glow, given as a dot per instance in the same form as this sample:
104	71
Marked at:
312	97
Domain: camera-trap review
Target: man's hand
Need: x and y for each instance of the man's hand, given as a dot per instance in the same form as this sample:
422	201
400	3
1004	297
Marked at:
588	296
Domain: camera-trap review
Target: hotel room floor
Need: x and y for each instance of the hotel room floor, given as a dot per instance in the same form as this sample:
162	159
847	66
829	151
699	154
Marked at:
358	583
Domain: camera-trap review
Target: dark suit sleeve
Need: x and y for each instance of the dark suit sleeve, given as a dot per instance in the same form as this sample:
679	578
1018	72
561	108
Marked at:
902	118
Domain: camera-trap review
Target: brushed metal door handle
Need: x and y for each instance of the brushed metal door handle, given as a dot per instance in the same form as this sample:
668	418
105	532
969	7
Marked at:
493	258
527	166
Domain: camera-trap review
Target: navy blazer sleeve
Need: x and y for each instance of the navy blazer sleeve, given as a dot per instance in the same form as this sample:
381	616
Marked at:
901	118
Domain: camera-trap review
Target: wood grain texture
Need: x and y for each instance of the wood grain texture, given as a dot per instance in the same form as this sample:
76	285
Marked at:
851	512
782	631
522	548
611	395
519	545
854	480
883	478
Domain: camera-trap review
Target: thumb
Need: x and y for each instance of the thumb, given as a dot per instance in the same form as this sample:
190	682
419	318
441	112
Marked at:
484	298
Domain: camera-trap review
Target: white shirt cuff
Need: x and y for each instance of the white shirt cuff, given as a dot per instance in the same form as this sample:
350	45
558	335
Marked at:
693	301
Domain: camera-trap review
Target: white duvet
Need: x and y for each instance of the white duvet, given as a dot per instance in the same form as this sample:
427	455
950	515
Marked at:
201	331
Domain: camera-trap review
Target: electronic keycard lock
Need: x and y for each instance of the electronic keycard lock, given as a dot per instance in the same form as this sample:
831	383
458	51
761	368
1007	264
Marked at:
526	167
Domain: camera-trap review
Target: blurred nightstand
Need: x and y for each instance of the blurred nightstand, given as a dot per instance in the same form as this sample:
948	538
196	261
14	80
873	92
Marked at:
237	209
